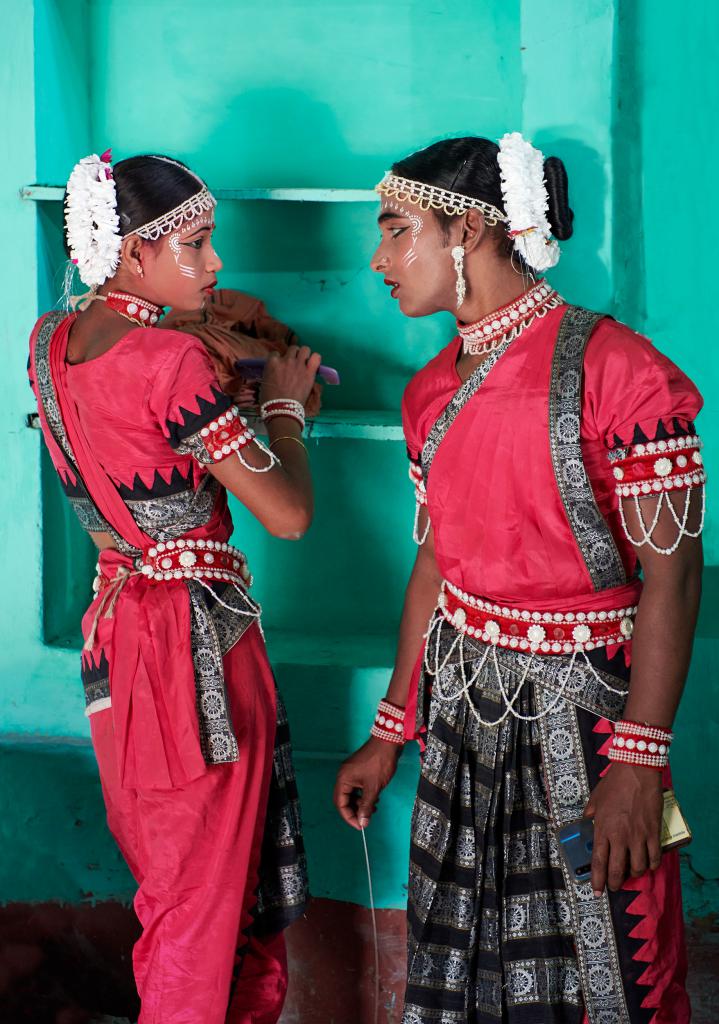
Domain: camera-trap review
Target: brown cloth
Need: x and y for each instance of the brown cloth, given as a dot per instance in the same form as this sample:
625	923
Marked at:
234	325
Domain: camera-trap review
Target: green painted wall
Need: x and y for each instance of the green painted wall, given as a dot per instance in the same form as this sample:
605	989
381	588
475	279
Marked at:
313	94
679	153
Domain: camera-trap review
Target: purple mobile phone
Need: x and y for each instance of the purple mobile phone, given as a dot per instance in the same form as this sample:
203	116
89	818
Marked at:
254	368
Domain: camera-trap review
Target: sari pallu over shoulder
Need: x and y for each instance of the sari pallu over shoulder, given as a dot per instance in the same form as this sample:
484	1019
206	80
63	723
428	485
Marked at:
161	643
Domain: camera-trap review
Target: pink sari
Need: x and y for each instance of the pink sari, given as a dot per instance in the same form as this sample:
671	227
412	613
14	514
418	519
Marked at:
185	718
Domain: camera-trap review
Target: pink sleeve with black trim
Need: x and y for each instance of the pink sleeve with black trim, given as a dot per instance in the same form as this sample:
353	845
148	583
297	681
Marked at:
195	415
633	393
643	409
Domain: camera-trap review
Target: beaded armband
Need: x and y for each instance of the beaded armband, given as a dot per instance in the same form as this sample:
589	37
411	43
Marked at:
643	745
656	469
420	497
224	436
388	723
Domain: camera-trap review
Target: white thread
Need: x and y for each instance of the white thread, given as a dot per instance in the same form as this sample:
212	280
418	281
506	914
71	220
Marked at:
374	928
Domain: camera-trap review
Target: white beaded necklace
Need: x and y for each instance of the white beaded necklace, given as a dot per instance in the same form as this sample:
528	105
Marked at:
508	322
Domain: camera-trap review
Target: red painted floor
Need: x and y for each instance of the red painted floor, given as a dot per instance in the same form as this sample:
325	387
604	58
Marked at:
71	965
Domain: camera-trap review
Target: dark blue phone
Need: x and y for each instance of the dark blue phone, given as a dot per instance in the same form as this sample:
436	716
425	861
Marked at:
576	842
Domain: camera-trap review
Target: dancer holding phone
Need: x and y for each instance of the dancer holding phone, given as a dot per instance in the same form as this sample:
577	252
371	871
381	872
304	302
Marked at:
551	449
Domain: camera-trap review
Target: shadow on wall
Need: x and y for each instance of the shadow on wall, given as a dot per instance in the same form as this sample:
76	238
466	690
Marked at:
584	268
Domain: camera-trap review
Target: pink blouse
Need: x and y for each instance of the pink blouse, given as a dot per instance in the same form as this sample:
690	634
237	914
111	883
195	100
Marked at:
152	389
500	527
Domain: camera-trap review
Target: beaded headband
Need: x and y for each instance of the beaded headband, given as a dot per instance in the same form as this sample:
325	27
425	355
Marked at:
431	197
200	203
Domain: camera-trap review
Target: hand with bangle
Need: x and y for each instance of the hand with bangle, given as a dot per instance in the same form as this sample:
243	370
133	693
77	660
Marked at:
627	805
364	775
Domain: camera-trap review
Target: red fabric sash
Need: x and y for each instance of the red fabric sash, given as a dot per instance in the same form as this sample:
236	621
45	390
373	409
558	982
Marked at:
147	640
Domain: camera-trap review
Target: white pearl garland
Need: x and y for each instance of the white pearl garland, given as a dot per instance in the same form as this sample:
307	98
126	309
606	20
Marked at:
647	531
437	665
420	494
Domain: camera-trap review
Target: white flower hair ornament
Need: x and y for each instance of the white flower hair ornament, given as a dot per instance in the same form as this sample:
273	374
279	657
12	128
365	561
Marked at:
91	221
521	170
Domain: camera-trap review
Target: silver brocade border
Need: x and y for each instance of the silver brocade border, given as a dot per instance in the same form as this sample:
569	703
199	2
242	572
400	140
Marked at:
568	792
48	399
589	527
217	737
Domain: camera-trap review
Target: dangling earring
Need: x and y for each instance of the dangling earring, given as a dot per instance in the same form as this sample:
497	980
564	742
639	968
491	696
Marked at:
139	269
458	257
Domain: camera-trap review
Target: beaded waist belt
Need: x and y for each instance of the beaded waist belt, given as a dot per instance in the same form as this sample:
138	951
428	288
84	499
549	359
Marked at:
539	632
195	559
208	560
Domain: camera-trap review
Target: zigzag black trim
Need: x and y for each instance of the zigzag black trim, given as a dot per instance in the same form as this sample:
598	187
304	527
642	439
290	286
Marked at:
160	488
679	429
92	671
632	970
72	490
194	421
95	678
624	922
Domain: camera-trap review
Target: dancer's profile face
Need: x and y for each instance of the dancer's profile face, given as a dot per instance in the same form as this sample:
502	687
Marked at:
181	268
414	258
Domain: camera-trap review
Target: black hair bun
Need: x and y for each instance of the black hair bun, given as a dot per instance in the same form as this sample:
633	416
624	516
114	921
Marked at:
561	217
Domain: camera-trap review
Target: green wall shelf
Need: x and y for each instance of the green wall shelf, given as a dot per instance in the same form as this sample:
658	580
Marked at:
55	193
356	424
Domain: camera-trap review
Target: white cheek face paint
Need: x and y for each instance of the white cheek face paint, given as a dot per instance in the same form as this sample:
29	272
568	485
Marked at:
416	226
184	268
175	246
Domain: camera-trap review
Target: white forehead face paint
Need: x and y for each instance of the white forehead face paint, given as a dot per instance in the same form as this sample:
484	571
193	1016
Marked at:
176	250
415	219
